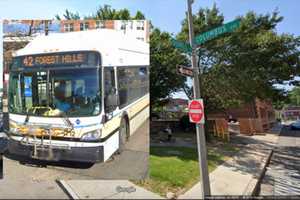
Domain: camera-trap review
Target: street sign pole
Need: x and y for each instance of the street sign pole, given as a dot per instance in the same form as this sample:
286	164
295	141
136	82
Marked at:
201	144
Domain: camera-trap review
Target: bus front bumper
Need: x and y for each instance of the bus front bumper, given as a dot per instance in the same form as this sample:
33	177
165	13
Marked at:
57	152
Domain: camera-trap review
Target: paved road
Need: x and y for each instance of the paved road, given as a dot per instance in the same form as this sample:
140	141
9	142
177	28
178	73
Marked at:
283	173
130	164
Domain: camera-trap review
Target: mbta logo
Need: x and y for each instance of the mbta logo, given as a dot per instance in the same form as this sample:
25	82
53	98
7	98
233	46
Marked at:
196	111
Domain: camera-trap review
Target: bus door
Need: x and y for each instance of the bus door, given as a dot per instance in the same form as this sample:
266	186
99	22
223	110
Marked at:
110	93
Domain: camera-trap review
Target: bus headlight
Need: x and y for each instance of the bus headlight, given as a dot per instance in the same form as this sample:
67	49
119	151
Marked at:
14	130
91	136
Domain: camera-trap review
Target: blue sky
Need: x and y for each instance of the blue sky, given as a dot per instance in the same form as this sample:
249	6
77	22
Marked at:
165	14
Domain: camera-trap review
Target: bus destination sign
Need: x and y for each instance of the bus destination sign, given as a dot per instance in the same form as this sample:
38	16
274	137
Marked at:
54	59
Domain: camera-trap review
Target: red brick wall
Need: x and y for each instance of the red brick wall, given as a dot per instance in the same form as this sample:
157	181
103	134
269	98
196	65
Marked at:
253	117
250	126
92	24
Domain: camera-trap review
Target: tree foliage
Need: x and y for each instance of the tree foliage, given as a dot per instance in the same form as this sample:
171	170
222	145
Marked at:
105	12
238	66
164	58
68	15
294	96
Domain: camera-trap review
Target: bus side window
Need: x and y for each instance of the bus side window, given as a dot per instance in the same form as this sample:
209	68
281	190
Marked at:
110	85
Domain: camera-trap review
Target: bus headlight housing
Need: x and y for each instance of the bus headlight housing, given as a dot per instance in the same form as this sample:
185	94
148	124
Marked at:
14	130
91	136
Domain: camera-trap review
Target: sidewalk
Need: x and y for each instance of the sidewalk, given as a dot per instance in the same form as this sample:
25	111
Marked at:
237	176
240	174
27	189
106	189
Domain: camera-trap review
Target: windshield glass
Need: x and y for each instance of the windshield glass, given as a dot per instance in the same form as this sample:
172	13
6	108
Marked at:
63	92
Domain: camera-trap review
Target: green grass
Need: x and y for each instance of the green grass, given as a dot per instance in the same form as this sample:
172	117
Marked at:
175	169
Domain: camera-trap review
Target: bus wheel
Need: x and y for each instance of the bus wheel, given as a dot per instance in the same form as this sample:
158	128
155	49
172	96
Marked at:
123	131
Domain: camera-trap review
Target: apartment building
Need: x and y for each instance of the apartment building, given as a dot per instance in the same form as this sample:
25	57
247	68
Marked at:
140	29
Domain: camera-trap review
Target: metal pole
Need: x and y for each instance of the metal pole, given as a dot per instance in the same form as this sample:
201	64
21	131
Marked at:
201	144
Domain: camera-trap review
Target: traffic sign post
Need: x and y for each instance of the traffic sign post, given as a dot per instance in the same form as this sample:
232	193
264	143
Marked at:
185	71
196	108
196	111
201	143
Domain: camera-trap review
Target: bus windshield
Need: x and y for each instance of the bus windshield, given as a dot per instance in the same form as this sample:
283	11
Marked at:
61	92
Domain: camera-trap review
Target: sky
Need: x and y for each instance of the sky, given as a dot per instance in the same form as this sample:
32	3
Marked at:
164	14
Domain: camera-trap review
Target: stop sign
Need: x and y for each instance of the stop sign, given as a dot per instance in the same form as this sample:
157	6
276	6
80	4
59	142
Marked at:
196	111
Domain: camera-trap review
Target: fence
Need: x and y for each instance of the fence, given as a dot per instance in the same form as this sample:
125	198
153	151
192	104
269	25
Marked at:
219	128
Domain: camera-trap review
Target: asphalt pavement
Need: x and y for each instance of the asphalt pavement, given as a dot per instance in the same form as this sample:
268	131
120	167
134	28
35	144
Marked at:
130	164
283	173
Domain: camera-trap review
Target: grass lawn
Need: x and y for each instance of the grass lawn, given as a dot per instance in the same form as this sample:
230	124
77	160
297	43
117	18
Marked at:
175	169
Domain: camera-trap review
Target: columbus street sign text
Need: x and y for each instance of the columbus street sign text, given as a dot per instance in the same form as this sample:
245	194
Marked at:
229	27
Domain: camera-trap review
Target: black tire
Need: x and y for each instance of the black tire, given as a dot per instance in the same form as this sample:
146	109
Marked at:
123	135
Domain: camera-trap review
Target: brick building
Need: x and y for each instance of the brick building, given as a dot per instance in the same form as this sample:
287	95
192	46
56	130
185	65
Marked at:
139	29
254	117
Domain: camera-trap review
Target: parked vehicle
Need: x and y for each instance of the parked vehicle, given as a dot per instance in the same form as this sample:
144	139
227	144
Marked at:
295	125
77	96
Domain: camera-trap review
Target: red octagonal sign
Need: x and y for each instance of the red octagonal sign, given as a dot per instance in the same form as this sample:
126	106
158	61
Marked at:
196	111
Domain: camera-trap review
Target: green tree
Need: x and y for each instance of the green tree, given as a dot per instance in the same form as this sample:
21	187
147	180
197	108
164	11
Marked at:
68	15
123	14
294	96
237	67
139	15
105	12
164	58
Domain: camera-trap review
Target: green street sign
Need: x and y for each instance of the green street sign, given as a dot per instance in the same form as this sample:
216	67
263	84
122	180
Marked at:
181	45
229	27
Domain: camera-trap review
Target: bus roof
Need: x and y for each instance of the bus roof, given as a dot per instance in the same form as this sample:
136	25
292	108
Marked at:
115	47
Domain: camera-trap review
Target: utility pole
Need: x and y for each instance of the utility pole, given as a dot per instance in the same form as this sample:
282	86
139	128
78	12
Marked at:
201	144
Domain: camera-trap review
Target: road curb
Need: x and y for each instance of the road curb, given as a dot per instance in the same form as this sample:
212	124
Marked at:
67	189
256	189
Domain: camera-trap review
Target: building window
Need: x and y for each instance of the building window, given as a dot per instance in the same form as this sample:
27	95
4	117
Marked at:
131	25
100	24
140	38
140	25
123	26
68	27
84	26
